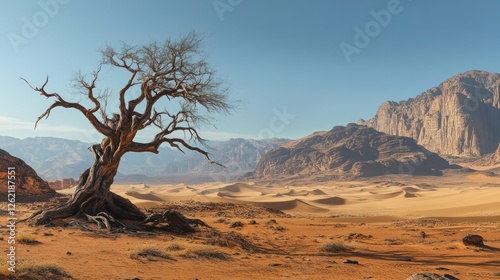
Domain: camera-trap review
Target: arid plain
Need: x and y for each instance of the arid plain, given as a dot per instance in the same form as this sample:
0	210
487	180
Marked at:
392	226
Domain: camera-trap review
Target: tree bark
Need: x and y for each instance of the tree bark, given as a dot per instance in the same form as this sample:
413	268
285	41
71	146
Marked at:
93	196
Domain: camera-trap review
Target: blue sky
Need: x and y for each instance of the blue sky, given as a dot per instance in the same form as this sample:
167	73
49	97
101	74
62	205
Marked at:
281	59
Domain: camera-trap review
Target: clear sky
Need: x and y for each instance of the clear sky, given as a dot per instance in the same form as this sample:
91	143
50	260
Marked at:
296	66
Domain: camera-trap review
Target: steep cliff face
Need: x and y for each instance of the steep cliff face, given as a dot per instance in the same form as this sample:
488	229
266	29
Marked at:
460	117
29	187
346	152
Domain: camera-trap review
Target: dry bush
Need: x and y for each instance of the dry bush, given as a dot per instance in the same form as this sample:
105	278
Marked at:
205	252
149	252
230	240
26	238
37	271
335	247
175	247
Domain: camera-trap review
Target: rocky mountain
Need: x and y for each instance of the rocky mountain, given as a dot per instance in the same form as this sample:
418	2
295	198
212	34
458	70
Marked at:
28	185
347	152
56	159
489	159
460	117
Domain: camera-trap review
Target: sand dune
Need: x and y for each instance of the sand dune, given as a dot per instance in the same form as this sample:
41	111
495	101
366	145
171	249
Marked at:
331	201
455	195
294	205
144	196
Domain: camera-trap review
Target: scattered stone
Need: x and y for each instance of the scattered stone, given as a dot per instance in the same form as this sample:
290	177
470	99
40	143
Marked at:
274	264
423	235
473	240
431	276
252	222
350	261
442	268
272	221
236	224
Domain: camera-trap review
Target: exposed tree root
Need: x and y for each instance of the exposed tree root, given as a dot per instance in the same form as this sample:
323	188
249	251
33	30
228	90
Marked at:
174	221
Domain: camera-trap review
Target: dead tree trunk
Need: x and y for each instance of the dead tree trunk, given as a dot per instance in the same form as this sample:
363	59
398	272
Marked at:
93	198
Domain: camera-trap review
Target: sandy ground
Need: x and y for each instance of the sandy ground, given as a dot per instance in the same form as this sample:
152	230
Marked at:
380	223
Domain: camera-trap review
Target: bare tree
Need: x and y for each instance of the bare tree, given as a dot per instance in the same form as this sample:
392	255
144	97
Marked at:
174	74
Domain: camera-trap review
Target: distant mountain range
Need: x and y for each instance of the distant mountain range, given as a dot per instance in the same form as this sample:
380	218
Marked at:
56	158
460	117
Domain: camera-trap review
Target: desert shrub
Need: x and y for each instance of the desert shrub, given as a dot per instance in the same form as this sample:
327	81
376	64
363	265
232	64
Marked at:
150	252
37	270
26	238
174	247
204	252
230	240
335	247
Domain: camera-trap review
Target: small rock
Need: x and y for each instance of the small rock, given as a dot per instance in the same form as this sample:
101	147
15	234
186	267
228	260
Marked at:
442	268
405	259
431	276
236	224
272	221
350	261
497	274
68	253
252	222
473	240
274	264
423	235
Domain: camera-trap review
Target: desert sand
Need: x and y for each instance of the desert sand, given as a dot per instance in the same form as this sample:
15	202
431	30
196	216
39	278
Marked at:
392	226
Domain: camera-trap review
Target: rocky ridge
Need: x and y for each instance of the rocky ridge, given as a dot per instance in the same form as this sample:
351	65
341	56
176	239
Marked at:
347	152
460	117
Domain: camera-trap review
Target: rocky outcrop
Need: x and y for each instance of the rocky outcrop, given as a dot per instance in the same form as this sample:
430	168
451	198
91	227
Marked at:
29	186
489	159
346	152
62	184
460	117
